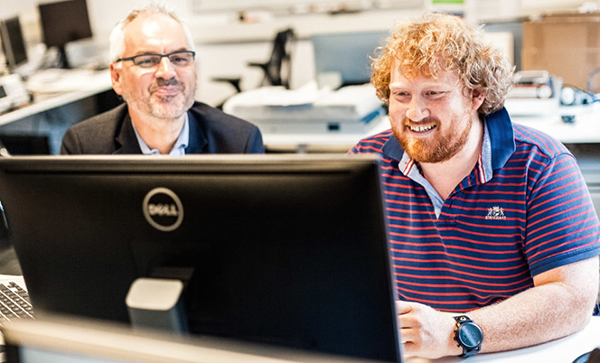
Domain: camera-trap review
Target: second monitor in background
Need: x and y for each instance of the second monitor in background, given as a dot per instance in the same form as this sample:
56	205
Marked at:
13	43
64	22
345	57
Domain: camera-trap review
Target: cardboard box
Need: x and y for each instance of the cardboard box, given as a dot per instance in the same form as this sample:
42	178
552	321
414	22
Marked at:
566	45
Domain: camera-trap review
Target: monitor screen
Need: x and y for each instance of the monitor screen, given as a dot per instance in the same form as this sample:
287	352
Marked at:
13	43
285	250
347	54
63	22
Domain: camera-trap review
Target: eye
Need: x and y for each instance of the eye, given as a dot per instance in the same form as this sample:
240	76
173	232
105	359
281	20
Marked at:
181	59
145	61
435	94
401	94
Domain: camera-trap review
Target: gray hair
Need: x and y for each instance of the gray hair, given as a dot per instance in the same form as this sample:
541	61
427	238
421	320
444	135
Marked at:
117	36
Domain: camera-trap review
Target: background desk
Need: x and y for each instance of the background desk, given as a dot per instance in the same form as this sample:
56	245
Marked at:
563	350
50	114
585	129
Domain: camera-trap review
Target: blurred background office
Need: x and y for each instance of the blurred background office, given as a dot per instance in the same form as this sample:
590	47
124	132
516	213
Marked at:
302	46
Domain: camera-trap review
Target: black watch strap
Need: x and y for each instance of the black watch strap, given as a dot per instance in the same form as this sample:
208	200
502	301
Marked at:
468	335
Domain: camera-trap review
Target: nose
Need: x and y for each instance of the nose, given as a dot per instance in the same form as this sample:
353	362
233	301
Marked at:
165	69
417	109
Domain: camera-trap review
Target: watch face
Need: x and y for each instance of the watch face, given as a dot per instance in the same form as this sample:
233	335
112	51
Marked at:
470	335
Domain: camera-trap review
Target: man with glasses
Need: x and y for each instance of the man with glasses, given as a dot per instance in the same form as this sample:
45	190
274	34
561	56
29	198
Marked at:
154	71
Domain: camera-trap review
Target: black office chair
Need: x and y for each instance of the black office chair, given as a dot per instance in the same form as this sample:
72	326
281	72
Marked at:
277	70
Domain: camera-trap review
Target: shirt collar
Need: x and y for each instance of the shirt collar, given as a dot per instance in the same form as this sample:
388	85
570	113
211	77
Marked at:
180	145
498	145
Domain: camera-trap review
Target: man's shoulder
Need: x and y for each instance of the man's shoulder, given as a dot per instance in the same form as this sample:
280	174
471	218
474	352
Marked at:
106	120
373	143
533	140
214	118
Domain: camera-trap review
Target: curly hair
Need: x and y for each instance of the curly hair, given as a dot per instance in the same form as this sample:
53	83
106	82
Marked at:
442	42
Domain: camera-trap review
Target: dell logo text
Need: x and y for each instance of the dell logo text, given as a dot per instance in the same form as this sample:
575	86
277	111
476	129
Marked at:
163	209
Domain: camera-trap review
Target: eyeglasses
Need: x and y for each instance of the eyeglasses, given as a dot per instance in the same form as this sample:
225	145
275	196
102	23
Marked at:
179	59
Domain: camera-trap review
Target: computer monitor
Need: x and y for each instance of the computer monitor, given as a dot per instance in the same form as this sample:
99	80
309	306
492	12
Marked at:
346	54
289	250
63	22
64	339
13	43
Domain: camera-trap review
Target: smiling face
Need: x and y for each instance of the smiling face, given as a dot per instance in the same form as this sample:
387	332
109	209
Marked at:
431	117
164	91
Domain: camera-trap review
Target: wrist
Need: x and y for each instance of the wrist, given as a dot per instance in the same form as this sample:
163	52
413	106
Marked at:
468	336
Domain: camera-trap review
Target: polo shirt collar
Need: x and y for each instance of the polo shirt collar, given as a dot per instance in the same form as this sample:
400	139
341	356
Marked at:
499	144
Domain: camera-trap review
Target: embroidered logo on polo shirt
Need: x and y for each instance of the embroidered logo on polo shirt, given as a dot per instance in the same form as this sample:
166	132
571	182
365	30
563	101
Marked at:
495	213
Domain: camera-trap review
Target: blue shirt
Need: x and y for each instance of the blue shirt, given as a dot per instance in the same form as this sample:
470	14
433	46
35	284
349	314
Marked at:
179	147
524	209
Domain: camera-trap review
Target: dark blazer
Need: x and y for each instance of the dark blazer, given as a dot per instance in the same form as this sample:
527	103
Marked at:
211	132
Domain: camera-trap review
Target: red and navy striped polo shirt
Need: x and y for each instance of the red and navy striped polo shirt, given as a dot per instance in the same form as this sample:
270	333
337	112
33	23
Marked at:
524	209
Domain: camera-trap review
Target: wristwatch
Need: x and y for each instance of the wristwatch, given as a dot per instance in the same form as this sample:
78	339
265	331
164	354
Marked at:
468	335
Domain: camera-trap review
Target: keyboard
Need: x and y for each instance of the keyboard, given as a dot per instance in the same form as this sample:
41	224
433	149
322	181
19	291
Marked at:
14	302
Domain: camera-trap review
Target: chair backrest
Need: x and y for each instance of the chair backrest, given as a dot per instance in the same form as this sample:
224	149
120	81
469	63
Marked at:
279	68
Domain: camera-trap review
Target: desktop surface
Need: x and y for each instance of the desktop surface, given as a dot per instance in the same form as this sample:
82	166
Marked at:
286	250
564	350
63	339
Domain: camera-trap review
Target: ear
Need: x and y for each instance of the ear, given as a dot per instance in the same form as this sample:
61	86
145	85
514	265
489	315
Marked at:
478	96
115	77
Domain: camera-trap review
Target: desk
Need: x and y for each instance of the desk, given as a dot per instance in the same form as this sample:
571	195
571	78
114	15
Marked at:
52	113
98	82
563	350
584	129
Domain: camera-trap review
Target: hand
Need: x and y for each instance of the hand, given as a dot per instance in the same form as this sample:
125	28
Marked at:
426	332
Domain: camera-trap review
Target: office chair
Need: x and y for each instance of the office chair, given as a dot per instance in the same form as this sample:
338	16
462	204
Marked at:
277	70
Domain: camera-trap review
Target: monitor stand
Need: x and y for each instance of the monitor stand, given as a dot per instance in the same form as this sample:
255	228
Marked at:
157	304
63	60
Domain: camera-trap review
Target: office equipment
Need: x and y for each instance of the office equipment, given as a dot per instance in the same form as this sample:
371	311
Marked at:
285	250
68	340
13	44
12	92
158	304
535	92
309	110
346	54
15	303
63	22
23	144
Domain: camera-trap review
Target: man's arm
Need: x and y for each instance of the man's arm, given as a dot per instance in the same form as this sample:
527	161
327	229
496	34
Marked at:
560	303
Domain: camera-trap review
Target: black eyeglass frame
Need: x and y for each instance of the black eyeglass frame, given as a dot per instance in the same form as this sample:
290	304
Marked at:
193	53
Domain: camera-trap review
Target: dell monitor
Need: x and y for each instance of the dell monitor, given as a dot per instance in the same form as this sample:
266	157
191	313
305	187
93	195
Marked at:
13	43
284	250
63	22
